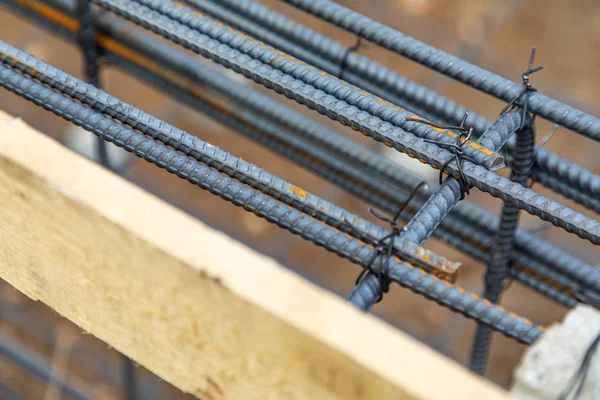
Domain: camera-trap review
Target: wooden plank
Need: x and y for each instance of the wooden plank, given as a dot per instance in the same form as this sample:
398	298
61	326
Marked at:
197	308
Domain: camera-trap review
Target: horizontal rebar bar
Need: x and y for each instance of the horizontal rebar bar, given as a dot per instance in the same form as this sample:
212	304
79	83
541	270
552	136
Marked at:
455	231
328	55
264	206
561	187
475	175
438	60
367	292
216	158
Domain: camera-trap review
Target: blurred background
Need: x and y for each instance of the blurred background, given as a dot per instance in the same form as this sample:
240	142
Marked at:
495	34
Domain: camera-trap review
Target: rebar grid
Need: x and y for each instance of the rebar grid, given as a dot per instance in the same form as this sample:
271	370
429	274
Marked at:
544	268
453	231
266	207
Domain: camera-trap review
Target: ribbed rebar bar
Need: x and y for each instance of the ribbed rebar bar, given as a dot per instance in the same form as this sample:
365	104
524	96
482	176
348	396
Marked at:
438	206
327	54
497	269
316	78
475	175
438	60
215	157
87	42
561	187
471	223
567	172
264	206
543	288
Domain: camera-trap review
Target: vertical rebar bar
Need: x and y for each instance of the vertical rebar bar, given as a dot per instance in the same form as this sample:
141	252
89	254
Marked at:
89	49
498	267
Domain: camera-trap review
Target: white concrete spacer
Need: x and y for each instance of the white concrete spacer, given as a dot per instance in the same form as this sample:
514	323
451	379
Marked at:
549	366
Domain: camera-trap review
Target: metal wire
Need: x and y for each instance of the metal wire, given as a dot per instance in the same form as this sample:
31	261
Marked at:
476	77
455	230
497	269
265	207
216	158
534	203
433	212
327	54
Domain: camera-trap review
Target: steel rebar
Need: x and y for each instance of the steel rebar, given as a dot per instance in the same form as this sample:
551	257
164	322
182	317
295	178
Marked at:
498	268
87	43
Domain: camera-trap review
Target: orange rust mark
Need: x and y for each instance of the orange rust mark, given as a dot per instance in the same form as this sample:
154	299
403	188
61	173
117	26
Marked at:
322	73
365	133
297	191
388	144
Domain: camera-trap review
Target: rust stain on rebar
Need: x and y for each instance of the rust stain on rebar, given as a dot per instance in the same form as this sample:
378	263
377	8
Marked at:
297	191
